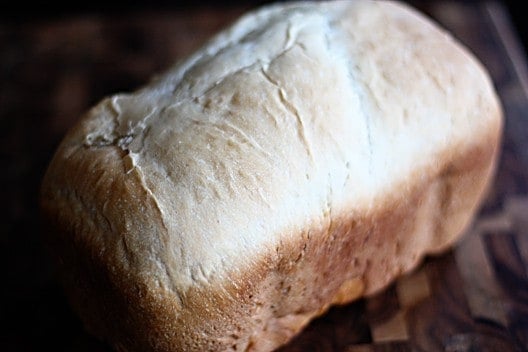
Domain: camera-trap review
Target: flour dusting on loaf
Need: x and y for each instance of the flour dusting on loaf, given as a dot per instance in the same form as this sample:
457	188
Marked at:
306	156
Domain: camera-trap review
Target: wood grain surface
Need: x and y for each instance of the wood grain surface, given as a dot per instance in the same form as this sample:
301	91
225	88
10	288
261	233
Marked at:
471	298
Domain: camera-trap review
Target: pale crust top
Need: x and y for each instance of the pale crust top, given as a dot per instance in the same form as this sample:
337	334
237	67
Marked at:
295	115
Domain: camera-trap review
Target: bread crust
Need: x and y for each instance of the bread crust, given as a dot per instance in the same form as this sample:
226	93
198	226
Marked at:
349	256
149	267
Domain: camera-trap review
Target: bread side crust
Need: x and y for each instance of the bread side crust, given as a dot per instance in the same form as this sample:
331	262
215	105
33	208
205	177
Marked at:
334	262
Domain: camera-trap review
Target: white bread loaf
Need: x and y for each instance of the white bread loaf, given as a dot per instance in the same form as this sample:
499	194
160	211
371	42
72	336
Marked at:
304	157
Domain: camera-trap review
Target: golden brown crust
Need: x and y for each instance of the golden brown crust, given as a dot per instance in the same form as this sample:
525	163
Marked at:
350	256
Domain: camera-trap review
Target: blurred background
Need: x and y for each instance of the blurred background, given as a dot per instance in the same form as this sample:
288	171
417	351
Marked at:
20	11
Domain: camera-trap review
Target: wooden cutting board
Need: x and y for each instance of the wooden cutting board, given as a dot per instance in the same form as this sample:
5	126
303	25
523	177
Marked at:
472	298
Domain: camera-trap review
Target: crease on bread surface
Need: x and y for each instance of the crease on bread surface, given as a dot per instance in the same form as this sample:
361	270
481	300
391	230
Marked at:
267	152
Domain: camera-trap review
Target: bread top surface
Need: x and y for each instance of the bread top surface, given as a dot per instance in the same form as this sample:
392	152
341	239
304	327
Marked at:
295	114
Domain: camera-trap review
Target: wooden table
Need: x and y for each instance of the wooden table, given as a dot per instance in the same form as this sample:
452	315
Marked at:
472	298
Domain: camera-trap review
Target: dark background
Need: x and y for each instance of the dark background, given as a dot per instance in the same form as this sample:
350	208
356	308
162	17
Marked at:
22	11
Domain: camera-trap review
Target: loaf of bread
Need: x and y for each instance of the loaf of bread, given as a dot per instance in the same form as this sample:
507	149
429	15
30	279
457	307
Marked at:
304	157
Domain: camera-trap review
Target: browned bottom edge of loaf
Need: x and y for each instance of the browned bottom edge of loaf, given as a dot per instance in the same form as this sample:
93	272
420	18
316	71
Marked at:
348	256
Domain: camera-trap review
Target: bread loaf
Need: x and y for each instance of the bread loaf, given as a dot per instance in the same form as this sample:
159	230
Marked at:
304	157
